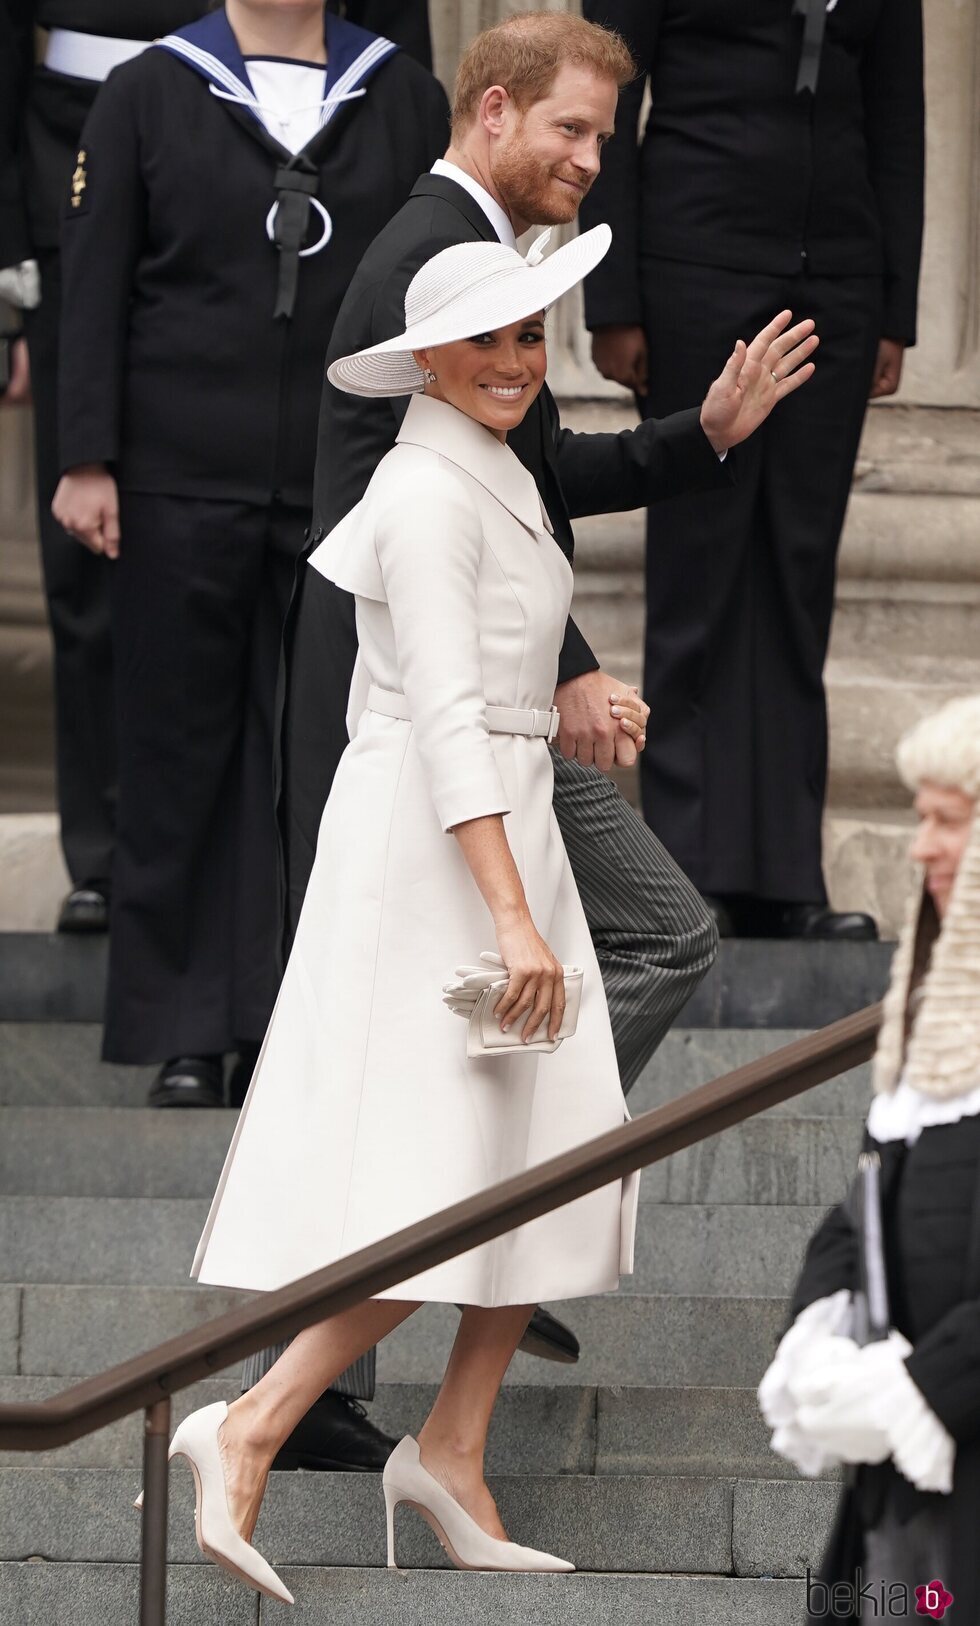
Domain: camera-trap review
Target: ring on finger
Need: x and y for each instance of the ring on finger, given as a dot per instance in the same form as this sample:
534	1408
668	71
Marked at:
774	376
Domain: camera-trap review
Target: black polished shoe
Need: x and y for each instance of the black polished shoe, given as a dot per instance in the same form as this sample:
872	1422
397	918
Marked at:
336	1436
189	1081
816	923
85	909
549	1339
721	914
240	1076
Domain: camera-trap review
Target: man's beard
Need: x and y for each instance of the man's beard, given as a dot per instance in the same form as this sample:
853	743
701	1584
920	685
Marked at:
529	187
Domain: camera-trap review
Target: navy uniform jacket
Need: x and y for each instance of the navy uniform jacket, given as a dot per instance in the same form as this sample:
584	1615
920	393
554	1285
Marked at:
43	112
736	168
174	370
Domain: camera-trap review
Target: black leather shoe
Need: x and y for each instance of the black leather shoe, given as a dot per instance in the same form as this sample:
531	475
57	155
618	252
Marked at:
240	1076
189	1081
816	922
550	1339
85	909
336	1436
721	914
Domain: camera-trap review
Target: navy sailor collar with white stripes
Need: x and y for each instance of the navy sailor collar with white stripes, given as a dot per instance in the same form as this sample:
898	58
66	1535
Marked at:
209	47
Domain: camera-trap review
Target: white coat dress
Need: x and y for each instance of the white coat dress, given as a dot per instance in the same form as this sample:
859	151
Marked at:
364	1114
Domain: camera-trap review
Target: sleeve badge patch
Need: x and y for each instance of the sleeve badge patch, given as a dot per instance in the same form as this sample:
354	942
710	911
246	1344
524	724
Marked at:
79	180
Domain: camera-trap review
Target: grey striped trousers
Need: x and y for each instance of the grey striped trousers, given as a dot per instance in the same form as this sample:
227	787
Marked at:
654	940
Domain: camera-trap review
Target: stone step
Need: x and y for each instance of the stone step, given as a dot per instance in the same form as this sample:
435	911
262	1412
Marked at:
675	1340
866	859
56	1064
39	1593
692	1056
618	1522
912	603
108	1152
536	1430
726	1249
36	1594
905	617
32	865
45	977
871	708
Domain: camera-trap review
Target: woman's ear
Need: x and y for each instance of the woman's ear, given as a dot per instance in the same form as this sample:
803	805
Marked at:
421	359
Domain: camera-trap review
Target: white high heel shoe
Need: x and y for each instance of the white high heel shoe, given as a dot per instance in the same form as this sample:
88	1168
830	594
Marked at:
196	1440
469	1547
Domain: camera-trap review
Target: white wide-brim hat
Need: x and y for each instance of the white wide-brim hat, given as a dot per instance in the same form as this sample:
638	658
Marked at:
464	290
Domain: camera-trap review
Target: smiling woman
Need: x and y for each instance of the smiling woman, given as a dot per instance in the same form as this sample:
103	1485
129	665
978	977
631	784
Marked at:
366	1111
492	377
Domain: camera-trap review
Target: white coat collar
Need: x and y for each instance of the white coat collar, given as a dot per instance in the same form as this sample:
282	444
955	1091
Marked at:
461	440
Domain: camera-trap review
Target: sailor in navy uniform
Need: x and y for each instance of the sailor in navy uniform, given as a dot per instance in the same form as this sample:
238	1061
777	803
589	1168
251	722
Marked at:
781	163
44	106
225	206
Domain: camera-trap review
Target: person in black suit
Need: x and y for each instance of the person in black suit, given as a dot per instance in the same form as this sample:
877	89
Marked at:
44	109
781	163
524	154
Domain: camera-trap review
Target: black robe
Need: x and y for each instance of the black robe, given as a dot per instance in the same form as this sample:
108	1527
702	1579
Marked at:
931	1207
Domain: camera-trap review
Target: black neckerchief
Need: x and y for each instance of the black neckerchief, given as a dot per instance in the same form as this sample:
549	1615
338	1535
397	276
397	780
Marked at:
814	14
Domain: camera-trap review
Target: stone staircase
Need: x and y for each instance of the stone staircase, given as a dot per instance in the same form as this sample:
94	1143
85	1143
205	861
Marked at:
647	1463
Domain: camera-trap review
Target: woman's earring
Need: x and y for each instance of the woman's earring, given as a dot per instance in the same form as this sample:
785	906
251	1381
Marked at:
428	375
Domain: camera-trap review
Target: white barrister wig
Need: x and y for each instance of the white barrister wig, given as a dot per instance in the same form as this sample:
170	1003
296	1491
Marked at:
945	748
942	1057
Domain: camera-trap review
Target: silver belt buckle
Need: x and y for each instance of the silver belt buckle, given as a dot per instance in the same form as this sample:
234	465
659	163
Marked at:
553	726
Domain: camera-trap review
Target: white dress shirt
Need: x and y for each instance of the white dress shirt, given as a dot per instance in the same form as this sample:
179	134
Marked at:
498	218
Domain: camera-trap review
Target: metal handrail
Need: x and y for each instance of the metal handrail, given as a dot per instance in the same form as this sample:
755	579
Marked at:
148	1380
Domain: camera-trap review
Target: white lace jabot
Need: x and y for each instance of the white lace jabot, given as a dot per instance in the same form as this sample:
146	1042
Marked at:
903	1113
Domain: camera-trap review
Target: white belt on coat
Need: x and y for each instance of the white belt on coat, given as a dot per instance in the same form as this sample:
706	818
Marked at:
533	724
88	56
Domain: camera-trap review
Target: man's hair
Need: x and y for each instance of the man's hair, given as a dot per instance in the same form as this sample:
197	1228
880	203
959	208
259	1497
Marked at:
524	53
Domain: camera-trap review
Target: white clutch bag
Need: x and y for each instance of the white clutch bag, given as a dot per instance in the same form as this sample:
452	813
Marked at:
475	992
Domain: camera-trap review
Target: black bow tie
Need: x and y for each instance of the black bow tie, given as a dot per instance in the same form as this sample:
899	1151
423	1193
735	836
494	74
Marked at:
814	14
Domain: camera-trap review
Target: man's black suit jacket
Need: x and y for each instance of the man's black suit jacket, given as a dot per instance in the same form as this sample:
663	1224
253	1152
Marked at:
576	474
